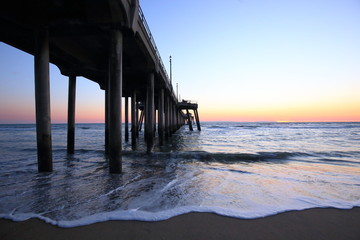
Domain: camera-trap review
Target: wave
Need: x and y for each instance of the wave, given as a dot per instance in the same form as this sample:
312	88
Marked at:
204	156
145	216
85	128
247	126
338	161
17	127
217	126
335	158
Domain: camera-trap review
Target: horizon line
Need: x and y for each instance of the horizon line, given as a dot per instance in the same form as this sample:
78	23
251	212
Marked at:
229	121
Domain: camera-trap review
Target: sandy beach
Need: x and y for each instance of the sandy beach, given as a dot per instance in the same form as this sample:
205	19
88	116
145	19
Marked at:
308	224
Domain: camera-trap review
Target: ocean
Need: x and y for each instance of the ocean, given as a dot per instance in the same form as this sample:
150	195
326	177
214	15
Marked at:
242	170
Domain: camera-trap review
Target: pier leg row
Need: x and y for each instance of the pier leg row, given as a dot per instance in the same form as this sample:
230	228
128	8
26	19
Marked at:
97	53
42	99
115	95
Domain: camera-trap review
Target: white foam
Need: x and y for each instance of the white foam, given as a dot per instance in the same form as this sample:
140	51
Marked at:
139	215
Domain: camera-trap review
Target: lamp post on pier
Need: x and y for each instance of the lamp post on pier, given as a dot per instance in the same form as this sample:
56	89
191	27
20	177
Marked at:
170	71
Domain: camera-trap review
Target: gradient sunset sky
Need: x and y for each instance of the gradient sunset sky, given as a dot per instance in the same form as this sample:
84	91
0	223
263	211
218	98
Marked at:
241	60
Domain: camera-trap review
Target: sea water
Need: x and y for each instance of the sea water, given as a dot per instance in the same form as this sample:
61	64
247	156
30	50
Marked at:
243	170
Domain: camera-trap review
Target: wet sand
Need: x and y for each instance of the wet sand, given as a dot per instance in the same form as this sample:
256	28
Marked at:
308	224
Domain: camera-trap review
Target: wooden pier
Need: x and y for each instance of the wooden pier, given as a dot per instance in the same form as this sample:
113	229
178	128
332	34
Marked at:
105	41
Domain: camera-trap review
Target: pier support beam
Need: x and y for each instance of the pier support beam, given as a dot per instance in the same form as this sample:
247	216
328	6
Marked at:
170	118
42	99
189	120
141	120
126	119
149	111
197	119
115	95
161	118
174	118
137	118
177	118
166	103
133	120
107	119
71	115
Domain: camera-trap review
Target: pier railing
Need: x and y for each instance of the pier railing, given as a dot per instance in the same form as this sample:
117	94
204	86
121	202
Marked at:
187	104
151	38
189	101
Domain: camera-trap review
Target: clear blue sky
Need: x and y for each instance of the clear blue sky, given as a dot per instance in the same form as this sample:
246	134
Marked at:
246	60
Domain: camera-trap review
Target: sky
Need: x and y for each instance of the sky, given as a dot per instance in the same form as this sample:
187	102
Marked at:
241	60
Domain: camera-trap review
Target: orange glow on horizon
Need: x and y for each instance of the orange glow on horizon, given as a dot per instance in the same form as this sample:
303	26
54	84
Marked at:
316	113
306	113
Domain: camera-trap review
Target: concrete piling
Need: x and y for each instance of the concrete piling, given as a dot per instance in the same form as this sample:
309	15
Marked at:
107	119
166	113
115	97
71	115
149	111
141	120
161	118
137	118
133	120
126	119
170	119
174	117
42	99
189	120
197	120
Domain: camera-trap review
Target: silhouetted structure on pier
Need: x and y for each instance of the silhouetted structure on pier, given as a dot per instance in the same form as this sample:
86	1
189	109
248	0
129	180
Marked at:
188	105
105	41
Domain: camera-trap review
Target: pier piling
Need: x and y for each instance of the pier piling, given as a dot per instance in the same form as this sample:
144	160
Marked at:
126	119
166	113
133	120
189	120
71	115
107	117
115	95
197	120
141	120
137	117
174	117
149	111
42	99
161	118
171	123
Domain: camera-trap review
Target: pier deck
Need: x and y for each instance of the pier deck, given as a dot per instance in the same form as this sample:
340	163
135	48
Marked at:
106	41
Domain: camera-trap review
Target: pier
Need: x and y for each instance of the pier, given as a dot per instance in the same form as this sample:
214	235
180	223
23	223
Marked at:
189	105
108	42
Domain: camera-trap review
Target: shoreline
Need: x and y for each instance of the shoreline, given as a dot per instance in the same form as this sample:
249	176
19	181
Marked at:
316	223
